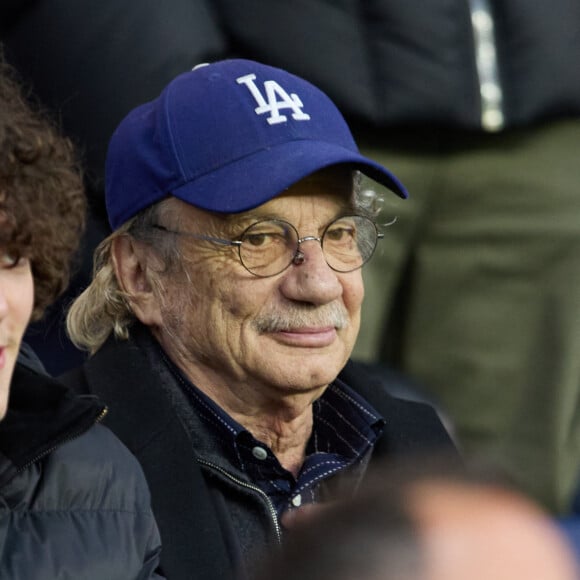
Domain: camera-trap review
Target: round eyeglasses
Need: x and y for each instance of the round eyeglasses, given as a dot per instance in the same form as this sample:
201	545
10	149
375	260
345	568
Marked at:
268	247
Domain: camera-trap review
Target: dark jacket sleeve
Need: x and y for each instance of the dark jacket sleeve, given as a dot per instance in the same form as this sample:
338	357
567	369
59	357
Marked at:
411	426
397	63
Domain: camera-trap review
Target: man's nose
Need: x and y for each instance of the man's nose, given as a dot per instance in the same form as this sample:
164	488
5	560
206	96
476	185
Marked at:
309	277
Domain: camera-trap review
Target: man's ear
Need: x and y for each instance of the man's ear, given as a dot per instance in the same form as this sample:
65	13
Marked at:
130	263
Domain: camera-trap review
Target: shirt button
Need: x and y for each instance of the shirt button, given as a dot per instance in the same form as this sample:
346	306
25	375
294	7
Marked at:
259	453
297	500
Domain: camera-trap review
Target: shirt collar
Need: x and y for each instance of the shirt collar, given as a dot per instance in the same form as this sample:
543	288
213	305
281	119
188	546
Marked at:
344	423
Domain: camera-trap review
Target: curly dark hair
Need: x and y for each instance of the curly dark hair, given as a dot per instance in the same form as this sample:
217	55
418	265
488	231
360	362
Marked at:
42	200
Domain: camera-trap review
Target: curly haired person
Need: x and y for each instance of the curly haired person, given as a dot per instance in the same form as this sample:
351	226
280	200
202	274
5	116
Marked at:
73	501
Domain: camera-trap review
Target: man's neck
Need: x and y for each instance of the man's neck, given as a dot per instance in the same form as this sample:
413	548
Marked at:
287	438
281	421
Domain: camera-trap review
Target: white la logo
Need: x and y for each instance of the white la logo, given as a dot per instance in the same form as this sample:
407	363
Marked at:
276	98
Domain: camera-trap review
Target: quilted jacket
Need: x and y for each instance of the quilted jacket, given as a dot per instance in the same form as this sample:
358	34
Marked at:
73	501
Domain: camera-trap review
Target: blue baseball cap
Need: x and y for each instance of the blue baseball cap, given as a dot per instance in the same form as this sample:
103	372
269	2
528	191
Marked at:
227	137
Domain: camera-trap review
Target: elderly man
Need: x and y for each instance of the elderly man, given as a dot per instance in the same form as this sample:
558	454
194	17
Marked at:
225	305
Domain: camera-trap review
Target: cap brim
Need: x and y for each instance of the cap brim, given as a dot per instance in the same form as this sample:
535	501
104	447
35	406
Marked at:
255	179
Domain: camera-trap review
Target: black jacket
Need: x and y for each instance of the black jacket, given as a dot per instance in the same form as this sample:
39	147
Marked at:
73	501
194	535
393	62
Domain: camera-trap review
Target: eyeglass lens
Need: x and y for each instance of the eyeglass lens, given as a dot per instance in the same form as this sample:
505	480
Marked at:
269	247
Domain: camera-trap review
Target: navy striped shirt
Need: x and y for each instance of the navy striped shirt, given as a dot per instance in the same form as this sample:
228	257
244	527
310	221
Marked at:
345	427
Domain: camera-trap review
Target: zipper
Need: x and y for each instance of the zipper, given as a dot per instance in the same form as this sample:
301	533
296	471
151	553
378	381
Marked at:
65	439
490	90
254	488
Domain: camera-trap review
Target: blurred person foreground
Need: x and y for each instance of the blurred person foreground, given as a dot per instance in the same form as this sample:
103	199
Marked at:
73	501
428	521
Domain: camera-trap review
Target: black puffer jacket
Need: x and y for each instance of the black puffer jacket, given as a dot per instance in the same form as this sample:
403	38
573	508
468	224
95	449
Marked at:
73	501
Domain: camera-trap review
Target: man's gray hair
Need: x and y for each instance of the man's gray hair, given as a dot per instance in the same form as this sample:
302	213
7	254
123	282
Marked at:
104	307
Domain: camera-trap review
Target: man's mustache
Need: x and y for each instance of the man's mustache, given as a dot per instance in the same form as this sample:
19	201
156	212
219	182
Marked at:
291	317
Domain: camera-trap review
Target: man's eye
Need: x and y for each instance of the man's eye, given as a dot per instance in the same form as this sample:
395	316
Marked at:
265	238
339	233
256	239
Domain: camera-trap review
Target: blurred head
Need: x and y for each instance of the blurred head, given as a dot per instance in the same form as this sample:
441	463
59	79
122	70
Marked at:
42	212
238	216
428	521
485	532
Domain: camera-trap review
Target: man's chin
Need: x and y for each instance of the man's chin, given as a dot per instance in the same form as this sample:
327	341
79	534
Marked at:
307	373
300	365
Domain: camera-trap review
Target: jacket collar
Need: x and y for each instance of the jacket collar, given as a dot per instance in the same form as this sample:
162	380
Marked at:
42	414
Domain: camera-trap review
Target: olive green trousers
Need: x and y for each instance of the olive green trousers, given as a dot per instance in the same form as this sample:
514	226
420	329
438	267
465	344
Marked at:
475	292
